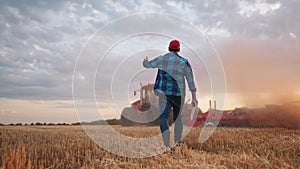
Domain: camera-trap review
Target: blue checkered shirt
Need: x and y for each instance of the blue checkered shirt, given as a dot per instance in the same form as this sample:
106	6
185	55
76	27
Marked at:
172	69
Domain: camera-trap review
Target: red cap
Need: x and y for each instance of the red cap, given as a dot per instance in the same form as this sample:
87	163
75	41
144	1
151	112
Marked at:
174	45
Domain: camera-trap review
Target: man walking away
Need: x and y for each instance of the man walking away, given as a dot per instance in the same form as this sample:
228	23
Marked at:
169	86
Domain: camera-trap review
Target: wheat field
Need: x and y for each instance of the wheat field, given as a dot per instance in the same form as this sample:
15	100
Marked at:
69	147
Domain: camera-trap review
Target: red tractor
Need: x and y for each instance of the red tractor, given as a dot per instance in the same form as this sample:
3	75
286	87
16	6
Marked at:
269	116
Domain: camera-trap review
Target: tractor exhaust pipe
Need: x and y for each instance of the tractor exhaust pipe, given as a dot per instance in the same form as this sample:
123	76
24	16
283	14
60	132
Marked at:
215	105
141	94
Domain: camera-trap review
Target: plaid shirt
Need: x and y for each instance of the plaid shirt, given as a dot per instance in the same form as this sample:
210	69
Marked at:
172	69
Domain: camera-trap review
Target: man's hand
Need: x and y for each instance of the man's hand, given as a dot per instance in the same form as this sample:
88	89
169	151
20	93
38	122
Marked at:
194	102
194	99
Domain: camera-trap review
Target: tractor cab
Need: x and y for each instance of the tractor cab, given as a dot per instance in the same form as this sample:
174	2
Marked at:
147	98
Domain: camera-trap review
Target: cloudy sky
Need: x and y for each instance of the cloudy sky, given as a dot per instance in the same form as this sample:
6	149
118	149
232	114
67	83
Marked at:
40	41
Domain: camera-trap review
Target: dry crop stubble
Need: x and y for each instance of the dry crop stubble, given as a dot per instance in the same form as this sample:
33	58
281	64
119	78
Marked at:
70	147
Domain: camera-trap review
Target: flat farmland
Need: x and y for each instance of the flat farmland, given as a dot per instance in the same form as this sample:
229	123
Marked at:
70	147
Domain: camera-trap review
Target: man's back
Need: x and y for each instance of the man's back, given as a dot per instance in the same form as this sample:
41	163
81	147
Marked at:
172	69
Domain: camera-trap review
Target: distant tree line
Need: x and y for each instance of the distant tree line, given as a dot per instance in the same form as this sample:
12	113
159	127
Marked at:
97	122
100	122
35	124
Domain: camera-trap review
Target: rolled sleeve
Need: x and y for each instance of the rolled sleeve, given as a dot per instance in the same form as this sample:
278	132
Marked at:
190	78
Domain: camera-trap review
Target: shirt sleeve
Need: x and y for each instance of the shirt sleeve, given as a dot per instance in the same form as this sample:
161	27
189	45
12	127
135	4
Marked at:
152	63
189	77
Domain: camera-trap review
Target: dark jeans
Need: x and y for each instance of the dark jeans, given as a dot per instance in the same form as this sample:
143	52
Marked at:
165	104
